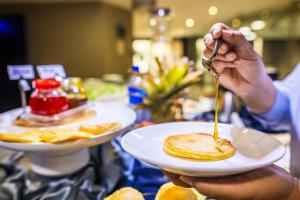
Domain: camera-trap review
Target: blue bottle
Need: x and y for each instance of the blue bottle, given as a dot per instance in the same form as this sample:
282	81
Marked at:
136	94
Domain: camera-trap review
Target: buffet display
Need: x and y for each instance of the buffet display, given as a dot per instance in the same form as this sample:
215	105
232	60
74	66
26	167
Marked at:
60	123
51	104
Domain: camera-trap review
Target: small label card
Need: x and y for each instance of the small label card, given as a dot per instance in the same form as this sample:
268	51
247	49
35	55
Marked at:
17	72
51	71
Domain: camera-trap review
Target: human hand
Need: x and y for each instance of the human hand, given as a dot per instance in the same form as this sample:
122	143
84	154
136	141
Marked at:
240	67
272	183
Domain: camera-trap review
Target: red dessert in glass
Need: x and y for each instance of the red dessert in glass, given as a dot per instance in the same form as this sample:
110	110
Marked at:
48	99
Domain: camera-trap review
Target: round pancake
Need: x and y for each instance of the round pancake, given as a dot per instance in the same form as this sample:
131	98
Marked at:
125	193
199	146
169	191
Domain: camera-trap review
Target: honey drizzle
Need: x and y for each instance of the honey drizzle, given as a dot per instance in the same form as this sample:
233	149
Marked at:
216	133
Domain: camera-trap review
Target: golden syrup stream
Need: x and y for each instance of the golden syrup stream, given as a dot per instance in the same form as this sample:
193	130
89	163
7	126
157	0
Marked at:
216	134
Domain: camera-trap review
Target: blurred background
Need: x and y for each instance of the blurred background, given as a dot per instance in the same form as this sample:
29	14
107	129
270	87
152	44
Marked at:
104	38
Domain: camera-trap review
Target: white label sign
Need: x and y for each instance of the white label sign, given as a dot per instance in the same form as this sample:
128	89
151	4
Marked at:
16	72
51	71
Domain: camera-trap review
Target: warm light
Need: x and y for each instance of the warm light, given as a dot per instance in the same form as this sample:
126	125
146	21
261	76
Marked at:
251	36
265	14
258	25
245	30
258	45
178	31
141	45
161	12
236	22
213	10
162	28
152	22
189	22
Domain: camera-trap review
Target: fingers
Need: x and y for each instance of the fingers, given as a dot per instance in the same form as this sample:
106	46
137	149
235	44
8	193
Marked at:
235	38
210	44
229	56
231	38
175	178
216	30
221	65
222	62
223	188
215	33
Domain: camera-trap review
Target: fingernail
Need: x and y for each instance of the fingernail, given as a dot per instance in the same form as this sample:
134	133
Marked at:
186	180
215	34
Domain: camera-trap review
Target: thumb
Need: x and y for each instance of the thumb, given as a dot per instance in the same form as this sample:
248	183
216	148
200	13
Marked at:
216	30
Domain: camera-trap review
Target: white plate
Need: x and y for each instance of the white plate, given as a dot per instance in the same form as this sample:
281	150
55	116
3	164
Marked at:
104	113
254	149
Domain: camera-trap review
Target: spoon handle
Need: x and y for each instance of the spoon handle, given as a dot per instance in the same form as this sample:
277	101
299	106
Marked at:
216	49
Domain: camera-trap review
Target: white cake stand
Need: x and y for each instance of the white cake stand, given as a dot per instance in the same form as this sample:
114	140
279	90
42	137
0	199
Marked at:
66	158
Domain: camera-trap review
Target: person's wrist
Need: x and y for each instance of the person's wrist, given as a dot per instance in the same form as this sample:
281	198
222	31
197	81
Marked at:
260	95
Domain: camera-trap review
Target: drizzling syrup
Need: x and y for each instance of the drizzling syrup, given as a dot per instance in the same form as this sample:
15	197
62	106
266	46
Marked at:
216	133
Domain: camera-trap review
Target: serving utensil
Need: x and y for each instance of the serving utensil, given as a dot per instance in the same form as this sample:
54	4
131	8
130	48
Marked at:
23	87
208	63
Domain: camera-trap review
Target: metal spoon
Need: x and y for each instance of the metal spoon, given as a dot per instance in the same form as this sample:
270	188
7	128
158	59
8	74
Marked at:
207	63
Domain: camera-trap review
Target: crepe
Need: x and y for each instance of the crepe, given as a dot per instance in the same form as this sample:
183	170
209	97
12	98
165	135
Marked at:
74	119
19	137
169	191
63	135
46	135
100	128
199	146
126	193
59	135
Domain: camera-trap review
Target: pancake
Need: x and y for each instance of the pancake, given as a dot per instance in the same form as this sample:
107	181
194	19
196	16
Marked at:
45	135
19	138
74	119
126	193
199	146
59	135
169	191
100	128
62	135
